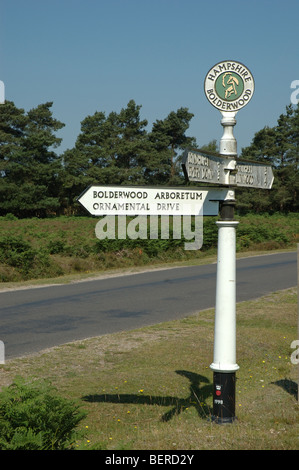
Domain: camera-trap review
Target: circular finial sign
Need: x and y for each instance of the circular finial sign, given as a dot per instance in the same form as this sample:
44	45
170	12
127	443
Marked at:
229	86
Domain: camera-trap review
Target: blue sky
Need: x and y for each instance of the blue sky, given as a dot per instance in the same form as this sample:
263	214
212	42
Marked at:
96	55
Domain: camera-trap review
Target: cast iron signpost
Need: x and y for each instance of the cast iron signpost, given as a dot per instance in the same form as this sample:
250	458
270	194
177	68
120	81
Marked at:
229	86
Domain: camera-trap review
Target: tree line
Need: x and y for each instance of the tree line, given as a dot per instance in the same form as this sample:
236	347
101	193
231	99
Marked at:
38	181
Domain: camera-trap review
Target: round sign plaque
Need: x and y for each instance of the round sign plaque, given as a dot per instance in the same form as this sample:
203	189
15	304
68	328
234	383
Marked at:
229	86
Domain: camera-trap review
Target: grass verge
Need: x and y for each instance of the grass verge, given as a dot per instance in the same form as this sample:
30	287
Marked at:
151	388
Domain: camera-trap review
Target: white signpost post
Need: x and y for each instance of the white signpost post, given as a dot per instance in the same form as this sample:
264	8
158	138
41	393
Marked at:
229	86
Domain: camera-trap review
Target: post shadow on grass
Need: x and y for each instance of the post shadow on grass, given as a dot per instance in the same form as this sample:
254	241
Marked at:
288	385
198	393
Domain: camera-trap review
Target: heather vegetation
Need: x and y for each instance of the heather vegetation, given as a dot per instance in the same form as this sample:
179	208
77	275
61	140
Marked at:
35	248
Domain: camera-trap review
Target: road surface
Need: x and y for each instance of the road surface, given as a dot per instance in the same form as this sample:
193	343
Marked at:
35	319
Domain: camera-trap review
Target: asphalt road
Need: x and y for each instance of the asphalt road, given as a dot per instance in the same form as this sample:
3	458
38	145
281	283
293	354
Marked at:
35	319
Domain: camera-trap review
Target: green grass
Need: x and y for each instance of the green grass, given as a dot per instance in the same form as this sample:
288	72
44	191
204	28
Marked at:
151	388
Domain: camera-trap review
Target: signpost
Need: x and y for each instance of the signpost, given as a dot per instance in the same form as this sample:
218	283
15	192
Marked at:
229	86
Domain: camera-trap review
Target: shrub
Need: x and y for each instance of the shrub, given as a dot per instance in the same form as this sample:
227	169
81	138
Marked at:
34	417
56	246
16	252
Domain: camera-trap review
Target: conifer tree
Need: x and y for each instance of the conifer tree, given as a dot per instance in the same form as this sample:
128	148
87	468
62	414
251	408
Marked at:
28	164
169	137
279	147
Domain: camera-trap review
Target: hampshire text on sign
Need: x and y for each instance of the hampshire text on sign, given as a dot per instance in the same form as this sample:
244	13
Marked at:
229	86
124	200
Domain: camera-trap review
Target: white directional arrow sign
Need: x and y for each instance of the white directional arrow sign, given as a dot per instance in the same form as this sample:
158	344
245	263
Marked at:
136	200
207	168
253	175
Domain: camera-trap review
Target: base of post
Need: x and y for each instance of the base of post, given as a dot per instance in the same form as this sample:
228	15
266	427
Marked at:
224	392
217	420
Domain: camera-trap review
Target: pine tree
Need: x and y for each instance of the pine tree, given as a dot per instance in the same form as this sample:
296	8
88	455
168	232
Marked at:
109	150
29	168
169	137
279	147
